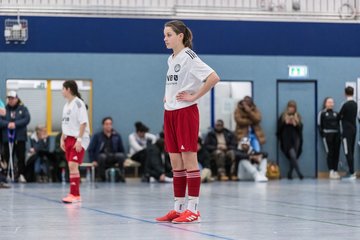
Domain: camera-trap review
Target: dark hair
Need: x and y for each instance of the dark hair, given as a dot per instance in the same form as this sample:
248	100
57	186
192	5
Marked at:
179	27
220	121
325	100
349	91
105	119
200	141
71	84
140	127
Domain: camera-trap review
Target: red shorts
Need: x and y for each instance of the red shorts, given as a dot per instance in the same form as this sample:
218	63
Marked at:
181	129
70	153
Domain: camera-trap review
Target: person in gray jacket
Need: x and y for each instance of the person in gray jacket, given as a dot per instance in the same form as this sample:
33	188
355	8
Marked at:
14	128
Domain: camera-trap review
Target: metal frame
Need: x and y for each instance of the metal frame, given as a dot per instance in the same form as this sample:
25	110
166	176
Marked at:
212	99
294	10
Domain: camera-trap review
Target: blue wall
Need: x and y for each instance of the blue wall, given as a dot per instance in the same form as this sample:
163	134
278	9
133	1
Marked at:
126	60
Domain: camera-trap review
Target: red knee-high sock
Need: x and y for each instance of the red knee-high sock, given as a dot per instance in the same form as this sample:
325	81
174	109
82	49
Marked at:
179	182
193	182
75	184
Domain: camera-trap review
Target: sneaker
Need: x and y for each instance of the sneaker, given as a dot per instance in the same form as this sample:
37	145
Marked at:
168	217
223	177
4	185
168	180
260	178
349	177
188	217
334	175
152	180
71	199
22	179
234	178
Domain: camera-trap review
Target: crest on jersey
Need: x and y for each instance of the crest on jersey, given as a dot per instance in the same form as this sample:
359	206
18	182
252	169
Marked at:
177	67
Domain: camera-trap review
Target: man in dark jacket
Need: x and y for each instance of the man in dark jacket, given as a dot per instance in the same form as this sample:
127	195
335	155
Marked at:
347	115
221	144
106	149
14	128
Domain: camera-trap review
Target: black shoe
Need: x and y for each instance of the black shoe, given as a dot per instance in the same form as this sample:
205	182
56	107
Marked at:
289	176
145	179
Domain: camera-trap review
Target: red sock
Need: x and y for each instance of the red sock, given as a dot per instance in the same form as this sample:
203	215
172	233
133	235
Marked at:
75	184
179	183
193	182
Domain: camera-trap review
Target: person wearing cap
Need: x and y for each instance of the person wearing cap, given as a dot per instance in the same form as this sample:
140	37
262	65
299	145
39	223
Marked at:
15	122
252	164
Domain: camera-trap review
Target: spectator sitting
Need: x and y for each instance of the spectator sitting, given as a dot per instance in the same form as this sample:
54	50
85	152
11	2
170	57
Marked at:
60	167
204	159
106	150
248	118
40	155
252	164
158	167
221	144
138	142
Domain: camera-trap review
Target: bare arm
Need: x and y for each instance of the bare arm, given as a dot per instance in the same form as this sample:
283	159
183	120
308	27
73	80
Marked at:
210	82
77	145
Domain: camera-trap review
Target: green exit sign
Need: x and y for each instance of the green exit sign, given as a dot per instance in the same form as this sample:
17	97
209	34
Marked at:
298	71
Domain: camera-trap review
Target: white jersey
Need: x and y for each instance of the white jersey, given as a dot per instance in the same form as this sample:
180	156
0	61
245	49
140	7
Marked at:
186	73
75	114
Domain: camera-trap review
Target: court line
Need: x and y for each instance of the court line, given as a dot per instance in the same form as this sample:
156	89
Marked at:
293	217
304	206
169	225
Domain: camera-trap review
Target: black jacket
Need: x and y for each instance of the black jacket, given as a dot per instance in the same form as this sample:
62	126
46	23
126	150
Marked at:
288	135
348	114
155	166
328	122
204	157
21	117
211	140
97	144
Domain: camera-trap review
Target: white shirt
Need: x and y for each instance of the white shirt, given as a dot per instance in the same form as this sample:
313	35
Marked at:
75	114
137	144
186	73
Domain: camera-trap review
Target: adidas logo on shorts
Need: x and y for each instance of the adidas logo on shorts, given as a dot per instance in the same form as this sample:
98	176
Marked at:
182	147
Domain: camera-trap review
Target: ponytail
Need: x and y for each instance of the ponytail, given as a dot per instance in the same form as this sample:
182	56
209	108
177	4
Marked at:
188	38
71	84
179	27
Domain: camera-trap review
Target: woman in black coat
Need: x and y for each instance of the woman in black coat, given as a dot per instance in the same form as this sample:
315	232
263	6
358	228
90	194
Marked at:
289	133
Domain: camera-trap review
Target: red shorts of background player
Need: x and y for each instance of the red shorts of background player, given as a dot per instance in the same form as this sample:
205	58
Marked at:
181	129
70	153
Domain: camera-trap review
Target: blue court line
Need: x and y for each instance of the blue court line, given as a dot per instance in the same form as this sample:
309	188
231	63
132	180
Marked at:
169	225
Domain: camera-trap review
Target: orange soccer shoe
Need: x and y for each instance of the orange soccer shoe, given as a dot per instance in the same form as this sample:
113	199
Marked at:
71	199
188	217
169	216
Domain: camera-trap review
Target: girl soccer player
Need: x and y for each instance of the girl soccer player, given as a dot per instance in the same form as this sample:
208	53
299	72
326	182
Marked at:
75	136
188	79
